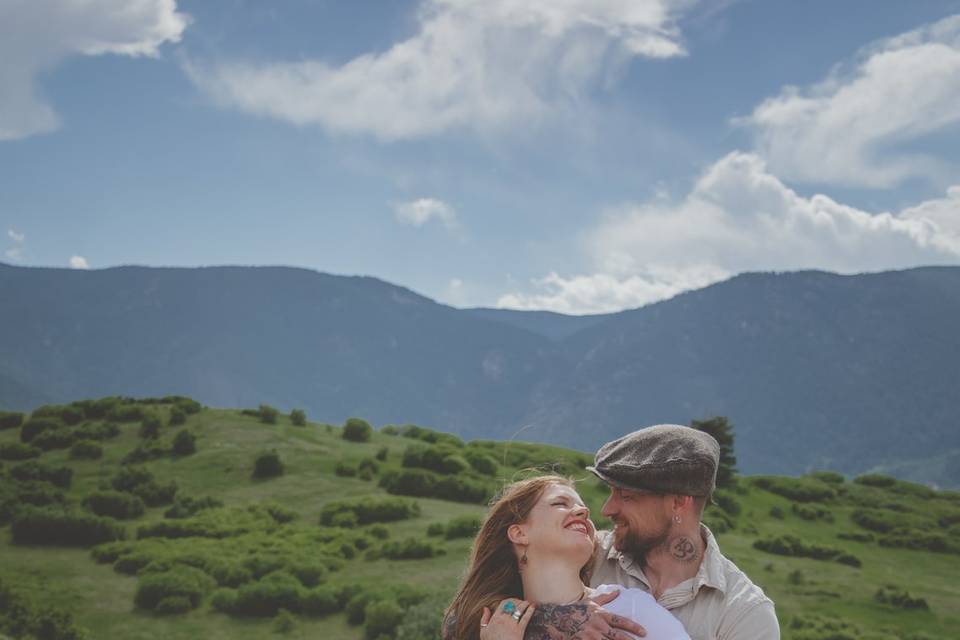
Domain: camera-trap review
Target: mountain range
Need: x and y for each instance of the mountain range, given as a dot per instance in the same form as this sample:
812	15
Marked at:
815	370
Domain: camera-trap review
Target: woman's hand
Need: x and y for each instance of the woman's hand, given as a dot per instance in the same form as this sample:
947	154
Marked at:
508	622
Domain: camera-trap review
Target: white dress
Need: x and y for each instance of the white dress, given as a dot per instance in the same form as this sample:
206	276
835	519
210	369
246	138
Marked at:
642	608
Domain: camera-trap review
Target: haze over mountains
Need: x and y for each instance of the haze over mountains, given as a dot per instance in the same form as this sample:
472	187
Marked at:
815	370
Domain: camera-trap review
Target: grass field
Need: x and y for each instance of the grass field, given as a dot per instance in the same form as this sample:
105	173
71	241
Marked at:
815	598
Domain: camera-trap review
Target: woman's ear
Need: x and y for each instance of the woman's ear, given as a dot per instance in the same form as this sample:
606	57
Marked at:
517	534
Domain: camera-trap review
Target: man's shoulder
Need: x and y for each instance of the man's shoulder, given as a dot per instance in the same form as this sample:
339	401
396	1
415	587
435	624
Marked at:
738	585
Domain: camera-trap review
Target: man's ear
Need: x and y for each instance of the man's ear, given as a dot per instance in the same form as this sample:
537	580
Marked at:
517	534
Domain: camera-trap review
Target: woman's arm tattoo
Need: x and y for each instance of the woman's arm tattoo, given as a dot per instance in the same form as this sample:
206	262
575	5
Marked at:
557	622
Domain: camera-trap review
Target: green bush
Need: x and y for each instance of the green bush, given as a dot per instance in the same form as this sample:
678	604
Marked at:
267	596
67	414
421	622
37	471
876	480
357	430
789	545
410	549
185	506
173	605
184	443
812	512
370	510
882	521
830	477
777	512
462	527
345	470
379	532
115	504
179	582
140	482
177	417
86	450
298	417
268	465
797	489
481	462
726	502
96	431
381	618
53	527
151	449
21	618
390	430
129	477
320	601
10	420
382	453
899	598
268	414
422	483
35	426
436	529
18	451
125	413
150	426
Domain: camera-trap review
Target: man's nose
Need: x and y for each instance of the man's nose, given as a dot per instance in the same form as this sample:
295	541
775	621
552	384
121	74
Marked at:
609	508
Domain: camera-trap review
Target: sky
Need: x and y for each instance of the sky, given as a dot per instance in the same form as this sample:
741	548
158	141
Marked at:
580	156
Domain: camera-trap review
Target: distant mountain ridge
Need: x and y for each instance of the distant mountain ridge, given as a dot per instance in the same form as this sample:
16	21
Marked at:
815	370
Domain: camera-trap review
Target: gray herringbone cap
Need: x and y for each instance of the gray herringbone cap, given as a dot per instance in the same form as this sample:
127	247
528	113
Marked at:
666	459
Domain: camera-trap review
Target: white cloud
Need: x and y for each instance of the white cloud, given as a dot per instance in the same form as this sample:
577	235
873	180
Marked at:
37	35
421	211
15	253
473	64
854	127
16	237
78	262
739	217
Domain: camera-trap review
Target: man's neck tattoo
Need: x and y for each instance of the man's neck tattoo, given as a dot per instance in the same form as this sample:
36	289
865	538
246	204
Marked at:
683	550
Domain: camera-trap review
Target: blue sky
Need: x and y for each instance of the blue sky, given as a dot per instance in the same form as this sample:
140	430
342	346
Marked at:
573	155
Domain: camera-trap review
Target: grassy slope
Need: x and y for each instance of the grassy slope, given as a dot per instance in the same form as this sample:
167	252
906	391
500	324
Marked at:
102	600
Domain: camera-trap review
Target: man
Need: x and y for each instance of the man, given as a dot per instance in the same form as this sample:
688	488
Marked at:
660	480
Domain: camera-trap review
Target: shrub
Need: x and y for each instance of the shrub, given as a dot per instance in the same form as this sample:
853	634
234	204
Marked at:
379	532
481	462
899	598
919	540
266	597
436	529
86	450
33	470
357	430
421	483
174	605
811	512
421	622
284	622
788	545
185	506
150	426
268	465
177	417
883	521
797	489
368	464
18	451
830	477
390	430
21	618
856	537
727	502
777	512
51	439
381	618
125	413
345	470
41	526
10	420
382	453
155	494
187	405
876	480
462	527
114	504
67	414
370	510
410	549
100	431
184	443
129	477
179	582
268	414
144	452
320	601
35	426
298	417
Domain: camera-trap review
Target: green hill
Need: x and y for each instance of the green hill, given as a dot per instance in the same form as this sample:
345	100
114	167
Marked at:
376	530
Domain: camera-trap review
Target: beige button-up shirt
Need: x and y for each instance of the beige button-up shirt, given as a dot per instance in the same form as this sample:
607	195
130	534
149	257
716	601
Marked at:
719	603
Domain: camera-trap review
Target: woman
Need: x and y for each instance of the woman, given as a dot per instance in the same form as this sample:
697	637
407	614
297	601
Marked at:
535	546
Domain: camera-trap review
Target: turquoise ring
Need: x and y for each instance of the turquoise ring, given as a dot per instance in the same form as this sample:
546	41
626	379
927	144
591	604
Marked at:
509	607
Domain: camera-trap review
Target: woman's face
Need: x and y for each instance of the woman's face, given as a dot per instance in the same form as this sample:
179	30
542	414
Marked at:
559	523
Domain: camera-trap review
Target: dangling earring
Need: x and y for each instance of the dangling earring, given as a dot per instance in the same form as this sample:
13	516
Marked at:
523	558
676	518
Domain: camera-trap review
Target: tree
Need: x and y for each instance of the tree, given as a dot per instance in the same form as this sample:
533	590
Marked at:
268	465
722	430
298	417
357	430
268	414
184	443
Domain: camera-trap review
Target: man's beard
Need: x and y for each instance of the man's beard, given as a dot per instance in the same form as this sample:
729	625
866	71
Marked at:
639	545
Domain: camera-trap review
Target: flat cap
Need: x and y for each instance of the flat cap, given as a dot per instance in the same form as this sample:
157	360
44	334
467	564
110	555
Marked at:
666	458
